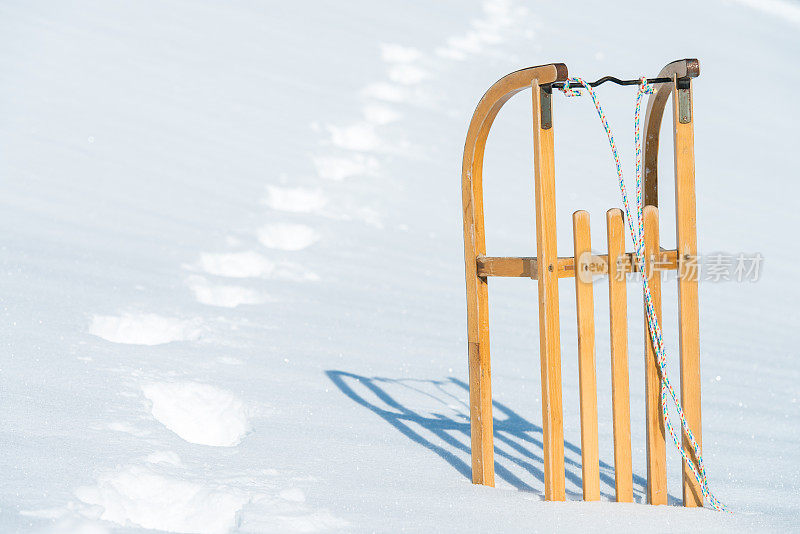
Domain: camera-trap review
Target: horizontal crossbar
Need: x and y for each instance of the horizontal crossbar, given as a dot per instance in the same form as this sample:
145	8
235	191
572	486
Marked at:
525	267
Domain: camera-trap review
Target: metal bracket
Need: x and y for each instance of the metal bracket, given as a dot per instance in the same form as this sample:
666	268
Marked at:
684	89
546	106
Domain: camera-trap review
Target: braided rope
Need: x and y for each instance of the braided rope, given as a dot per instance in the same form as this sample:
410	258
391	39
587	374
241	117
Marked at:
637	236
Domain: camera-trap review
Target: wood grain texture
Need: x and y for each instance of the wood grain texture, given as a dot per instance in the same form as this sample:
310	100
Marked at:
481	426
526	267
656	103
620	386
480	388
688	322
656	444
587	381
549	333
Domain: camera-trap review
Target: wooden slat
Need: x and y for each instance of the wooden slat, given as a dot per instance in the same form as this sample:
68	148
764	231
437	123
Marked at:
620	387
656	444
549	334
584	300
525	267
521	267
688	323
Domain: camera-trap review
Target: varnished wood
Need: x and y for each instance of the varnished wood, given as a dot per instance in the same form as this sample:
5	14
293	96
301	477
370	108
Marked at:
656	444
547	268
688	324
620	386
549	333
587	381
525	267
682	68
474	246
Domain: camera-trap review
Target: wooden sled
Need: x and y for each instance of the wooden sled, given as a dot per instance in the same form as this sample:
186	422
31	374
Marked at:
547	268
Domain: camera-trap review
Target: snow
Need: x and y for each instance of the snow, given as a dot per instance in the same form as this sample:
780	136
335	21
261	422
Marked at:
248	264
165	457
232	263
226	296
143	328
305	200
338	168
286	236
199	413
141	497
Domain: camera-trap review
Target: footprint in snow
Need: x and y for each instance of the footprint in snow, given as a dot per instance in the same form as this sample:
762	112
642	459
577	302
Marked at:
338	168
401	60
295	199
163	495
146	498
250	264
285	236
380	114
225	296
360	136
144	328
199	413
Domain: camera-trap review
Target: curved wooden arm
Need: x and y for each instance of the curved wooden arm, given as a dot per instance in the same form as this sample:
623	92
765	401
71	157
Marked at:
682	68
480	390
482	119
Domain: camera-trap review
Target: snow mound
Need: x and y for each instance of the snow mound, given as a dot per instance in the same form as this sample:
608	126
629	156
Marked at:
143	329
224	296
199	413
138	496
286	236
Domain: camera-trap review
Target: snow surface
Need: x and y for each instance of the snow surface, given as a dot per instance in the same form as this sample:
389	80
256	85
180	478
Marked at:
232	267
199	413
143	329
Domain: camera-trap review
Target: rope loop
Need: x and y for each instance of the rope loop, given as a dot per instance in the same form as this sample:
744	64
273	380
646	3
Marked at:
571	92
644	87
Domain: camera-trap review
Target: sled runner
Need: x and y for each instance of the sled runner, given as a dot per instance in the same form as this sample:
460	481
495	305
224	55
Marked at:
546	268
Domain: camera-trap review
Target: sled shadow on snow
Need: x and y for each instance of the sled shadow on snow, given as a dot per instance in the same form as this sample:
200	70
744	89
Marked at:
518	442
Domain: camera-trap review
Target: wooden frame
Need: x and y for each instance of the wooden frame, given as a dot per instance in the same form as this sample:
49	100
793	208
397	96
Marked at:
686	238
547	268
